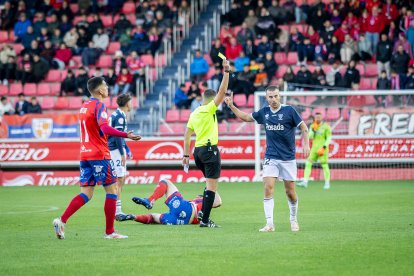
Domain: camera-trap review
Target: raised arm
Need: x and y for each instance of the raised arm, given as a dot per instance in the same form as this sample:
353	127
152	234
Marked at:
224	83
305	137
187	142
240	114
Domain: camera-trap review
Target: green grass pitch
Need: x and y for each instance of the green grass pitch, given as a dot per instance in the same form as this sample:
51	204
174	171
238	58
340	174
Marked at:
356	228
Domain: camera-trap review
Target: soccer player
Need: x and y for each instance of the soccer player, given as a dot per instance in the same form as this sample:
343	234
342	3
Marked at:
119	149
321	133
181	211
203	122
280	123
96	166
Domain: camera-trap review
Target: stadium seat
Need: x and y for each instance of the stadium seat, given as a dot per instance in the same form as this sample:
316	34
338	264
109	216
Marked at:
309	100
281	71
75	102
365	84
345	114
284	27
62	103
240	100
371	70
250	101
165	130
208	59
15	89
374	84
113	105
326	68
147	60
222	128
18	48
74	8
184	115
63	75
48	103
43	89
370	100
321	110
30	89
75	62
280	58
361	69
55	88
333	114
173	116
306	114
107	21
292	58
128	8
107	102
113	47
4	36
178	128
53	76
162	60
104	61
4	90
210	73
236	128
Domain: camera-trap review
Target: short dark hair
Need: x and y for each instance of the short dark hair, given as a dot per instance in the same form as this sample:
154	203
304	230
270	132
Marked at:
272	88
94	83
3	98
209	93
20	95
34	98
318	113
123	99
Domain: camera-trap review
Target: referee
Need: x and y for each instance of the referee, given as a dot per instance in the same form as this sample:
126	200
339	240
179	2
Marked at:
203	122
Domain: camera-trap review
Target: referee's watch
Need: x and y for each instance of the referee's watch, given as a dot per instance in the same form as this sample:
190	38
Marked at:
186	156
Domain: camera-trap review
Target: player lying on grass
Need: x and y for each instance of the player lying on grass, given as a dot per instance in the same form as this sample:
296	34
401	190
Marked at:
181	211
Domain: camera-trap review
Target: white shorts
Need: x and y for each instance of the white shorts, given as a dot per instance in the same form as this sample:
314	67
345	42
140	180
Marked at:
116	158
286	170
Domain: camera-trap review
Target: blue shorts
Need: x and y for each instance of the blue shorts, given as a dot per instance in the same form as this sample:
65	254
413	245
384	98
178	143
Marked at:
180	210
97	172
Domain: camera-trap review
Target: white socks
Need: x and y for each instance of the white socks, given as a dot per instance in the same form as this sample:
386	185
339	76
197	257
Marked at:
293	207
268	205
118	207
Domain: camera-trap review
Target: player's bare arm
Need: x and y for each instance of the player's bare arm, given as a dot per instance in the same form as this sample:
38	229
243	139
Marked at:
240	114
187	142
305	137
224	83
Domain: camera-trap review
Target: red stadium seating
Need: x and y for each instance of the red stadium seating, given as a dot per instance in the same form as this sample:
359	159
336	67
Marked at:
365	84
113	47
306	114
18	48
62	103
222	128
75	102
333	114
345	114
371	70
178	128
15	89
280	58
30	89
173	116
240	100
48	103
104	61
250	101
4	36
113	105
53	76
292	58
361	69
165	130
43	89
184	115
128	8
55	88
4	90
210	73
320	110
74	8
107	21
208	59
281	71
147	60
161	60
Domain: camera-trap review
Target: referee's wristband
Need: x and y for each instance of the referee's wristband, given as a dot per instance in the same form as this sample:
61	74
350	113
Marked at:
227	71
186	156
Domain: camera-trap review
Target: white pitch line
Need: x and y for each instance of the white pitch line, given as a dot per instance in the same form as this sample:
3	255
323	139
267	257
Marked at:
49	209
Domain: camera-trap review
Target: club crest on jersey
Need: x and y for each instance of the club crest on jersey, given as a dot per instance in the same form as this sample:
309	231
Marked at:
176	203
280	116
42	127
104	115
267	116
98	168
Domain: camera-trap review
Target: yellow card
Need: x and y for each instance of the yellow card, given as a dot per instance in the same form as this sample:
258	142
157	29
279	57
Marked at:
220	55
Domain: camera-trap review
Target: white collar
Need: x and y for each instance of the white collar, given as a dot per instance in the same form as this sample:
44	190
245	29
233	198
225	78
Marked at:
277	110
123	113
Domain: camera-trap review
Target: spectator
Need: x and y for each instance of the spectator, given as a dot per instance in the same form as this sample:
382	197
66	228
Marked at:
65	11
95	24
62	57
327	32
270	65
28	37
215	49
194	89
384	54
121	26
34	107
264	46
244	34
244	84
123	82
301	12
317	75
261	80
56	38
140	40
364	49
65	25
215	80
154	39
250	49
348	49
44	36
110	79
135	64
296	38
25	70
183	15
199	67
40	68
6	107
351	76
40	23
7	64
53	24
410	36
7	16
408	79
21	105
334	50
375	25
390	11
81	82
341	32
119	62
240	61
336	18
181	99
33	49
20	28
265	24
163	22
289	77
383	83
306	52
321	51
233	49
251	20
318	20
82	41
282	41
101	40
312	35
68	85
334	77
90	54
71	38
303	78
404	43
351	20
198	101
48	52
234	16
399	61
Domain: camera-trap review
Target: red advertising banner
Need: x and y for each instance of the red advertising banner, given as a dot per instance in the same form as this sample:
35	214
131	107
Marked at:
382	122
161	150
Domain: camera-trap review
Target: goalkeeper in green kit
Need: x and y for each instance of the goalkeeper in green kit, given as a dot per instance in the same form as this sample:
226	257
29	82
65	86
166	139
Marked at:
321	134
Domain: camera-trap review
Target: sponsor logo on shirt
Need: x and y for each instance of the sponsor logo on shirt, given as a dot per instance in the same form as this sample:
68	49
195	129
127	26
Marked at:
275	127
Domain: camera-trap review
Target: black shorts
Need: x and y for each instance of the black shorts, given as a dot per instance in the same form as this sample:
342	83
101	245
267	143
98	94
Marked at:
207	159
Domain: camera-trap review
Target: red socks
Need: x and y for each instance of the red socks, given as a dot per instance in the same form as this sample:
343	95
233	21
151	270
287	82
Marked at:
159	191
76	203
145	219
110	208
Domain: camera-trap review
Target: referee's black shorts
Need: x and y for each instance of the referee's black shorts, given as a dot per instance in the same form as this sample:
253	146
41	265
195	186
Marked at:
207	159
